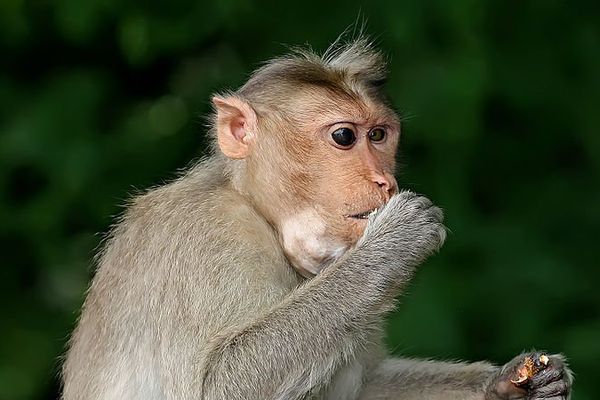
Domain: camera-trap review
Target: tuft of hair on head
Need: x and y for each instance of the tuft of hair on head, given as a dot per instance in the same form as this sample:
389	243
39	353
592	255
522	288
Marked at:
358	59
349	65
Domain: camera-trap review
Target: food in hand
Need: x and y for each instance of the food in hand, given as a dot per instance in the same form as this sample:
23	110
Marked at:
530	368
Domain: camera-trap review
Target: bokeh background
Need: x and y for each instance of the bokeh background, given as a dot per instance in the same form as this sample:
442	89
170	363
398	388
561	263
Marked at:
101	98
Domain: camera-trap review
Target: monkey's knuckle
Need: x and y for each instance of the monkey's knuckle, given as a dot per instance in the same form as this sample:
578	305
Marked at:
417	205
398	204
422	203
440	236
436	214
553	390
431	218
403	196
422	223
410	210
428	239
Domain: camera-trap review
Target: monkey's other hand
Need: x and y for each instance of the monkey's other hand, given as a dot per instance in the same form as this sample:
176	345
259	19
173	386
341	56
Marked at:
532	376
407	229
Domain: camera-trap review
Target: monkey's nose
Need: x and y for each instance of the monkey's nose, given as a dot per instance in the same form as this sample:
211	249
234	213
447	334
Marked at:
387	184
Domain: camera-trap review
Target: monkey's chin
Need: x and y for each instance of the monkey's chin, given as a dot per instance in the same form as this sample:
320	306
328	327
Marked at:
308	267
307	273
311	255
307	243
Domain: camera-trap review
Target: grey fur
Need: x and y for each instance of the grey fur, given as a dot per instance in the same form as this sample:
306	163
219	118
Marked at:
193	297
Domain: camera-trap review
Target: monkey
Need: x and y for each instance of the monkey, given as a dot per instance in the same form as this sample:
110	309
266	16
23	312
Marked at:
266	270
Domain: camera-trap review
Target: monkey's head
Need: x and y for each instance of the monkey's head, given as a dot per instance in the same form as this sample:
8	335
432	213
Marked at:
311	141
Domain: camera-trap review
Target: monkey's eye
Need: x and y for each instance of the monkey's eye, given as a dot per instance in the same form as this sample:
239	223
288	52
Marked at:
343	137
377	135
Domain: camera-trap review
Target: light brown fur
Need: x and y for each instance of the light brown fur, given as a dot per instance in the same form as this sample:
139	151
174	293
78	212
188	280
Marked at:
197	294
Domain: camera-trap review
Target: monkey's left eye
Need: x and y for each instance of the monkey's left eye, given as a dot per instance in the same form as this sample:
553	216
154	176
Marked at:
377	135
344	137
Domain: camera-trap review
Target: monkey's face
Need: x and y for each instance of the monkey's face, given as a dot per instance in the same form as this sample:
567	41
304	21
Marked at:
317	163
339	168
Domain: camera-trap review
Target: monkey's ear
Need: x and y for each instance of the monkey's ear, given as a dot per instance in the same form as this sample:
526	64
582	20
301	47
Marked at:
236	125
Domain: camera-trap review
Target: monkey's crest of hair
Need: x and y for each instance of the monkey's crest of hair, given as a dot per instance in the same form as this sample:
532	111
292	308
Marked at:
354	65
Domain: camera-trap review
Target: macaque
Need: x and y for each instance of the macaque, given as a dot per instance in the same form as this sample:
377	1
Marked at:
267	269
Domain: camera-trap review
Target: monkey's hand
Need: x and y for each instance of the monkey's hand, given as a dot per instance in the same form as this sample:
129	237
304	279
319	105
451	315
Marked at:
404	232
532	376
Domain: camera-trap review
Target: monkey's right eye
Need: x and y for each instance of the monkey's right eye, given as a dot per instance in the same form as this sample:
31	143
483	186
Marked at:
344	137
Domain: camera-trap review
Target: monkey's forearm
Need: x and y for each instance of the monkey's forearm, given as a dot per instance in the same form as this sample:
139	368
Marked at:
416	380
299	344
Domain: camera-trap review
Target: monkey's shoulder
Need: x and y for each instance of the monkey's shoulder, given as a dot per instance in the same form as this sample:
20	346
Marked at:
181	208
196	223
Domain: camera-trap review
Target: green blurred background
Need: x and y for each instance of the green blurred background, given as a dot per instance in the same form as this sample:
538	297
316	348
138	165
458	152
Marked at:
100	98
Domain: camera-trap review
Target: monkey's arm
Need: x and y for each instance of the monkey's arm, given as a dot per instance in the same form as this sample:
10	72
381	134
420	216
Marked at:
434	380
298	344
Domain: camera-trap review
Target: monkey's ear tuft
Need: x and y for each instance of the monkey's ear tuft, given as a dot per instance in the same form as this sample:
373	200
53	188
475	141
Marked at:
236	125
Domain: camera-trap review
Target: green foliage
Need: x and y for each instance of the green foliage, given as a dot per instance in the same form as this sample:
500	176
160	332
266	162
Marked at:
100	98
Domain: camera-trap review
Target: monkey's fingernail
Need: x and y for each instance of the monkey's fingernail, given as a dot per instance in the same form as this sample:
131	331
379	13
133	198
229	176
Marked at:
520	380
544	359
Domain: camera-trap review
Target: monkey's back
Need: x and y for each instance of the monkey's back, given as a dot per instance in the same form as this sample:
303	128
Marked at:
169	276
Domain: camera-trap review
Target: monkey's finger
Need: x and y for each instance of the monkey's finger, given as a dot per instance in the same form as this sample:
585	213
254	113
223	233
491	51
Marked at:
554	389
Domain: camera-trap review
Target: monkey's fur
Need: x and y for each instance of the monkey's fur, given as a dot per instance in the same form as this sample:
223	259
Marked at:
195	298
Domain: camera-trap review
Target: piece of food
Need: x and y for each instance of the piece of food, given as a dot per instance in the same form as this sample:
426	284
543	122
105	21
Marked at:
530	368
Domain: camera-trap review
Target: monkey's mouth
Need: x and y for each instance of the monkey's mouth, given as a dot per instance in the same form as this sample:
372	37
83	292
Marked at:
363	215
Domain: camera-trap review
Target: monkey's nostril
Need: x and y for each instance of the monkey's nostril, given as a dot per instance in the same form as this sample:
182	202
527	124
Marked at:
382	182
386	186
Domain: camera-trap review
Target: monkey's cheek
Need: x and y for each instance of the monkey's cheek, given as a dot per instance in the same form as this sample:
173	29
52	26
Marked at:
354	230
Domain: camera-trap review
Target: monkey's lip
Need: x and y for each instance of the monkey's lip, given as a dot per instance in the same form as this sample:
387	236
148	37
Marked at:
364	214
